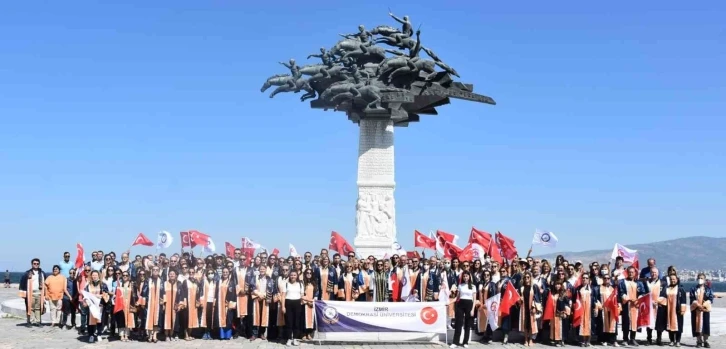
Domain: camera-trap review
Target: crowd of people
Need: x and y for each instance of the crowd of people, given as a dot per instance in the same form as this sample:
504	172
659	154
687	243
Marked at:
183	297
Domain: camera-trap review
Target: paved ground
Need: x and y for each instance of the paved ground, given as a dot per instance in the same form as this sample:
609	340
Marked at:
14	334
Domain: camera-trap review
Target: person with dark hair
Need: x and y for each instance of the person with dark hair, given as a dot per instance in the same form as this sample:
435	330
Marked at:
464	310
671	307
629	290
55	286
308	301
32	288
98	289
529	306
701	297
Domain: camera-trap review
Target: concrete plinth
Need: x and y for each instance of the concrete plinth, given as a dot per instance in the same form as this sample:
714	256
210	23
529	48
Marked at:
375	209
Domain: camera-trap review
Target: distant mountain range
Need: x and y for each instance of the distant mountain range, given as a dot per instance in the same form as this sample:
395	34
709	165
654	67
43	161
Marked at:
691	253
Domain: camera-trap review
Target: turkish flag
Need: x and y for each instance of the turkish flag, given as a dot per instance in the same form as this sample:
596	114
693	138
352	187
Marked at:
644	309
198	238
494	252
510	298
395	286
248	248
185	241
611	303
577	312
79	257
412	254
467	253
578	282
507	245
229	249
339	244
481	238
142	240
549	310
451	250
423	241
275	252
118	303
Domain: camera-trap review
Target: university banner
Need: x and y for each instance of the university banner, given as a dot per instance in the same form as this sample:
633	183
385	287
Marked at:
335	316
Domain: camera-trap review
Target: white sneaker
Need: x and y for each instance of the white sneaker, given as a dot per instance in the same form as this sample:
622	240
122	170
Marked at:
295	342
466	345
453	346
289	342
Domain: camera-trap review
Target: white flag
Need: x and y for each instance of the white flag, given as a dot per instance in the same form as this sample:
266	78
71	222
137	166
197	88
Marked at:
210	248
629	256
94	304
396	248
406	284
293	251
164	240
544	238
492	305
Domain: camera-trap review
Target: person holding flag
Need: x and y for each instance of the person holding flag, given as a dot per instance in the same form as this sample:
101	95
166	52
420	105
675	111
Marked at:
630	289
123	300
607	309
557	310
583	324
508	306
99	291
486	289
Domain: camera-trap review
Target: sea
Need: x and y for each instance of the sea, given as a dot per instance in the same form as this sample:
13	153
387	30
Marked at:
716	286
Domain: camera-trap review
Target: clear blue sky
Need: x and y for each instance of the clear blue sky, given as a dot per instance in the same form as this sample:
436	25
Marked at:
141	116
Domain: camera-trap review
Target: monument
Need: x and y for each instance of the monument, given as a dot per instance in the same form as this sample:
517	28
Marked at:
379	88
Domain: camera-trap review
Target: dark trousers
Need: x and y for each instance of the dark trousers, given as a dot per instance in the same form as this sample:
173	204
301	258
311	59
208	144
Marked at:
273	332
293	318
84	317
628	336
69	310
650	334
674	336
463	320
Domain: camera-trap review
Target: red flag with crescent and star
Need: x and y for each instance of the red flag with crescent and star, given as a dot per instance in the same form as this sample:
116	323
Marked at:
480	237
423	241
79	257
644	309
229	249
451	250
511	297
339	244
612	302
494	252
142	240
185	241
118	304
549	309
198	238
577	311
507	246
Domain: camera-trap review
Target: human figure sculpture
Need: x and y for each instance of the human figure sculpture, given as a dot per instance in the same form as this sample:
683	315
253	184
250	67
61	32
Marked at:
294	69
407	28
362	35
327	58
363	216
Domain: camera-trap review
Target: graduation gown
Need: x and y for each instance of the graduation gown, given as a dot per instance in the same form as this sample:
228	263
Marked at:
224	294
450	280
153	293
309	306
261	292
486	290
531	304
242	279
207	291
630	291
327	282
559	324
190	314
25	290
173	296
428	284
701	320
654	288
348	288
606	320
100	291
586	297
125	318
507	321
671	307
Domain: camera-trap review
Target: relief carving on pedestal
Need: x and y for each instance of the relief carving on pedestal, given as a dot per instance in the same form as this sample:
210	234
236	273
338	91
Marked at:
375	216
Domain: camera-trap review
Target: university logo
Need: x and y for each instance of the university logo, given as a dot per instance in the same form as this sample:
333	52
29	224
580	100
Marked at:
545	237
330	315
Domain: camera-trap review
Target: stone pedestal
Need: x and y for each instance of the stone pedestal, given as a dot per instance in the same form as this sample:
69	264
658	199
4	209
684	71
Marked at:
375	210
